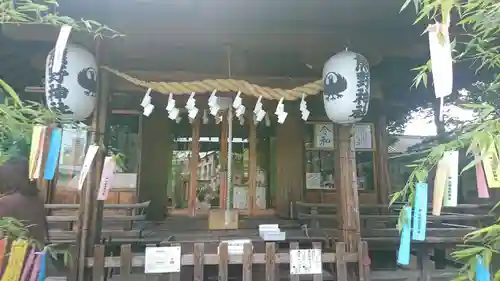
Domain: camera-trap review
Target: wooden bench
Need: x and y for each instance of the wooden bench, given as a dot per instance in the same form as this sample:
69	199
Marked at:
67	214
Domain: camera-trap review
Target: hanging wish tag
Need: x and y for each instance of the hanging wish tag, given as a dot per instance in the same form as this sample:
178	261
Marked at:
148	110
442	62
107	176
41	148
35	149
481	183
491	167
420	212
405	239
482	271
87	163
439	186
53	155
62	41
451	191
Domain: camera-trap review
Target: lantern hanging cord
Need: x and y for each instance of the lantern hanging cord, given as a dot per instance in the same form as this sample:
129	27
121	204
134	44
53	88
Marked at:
224	85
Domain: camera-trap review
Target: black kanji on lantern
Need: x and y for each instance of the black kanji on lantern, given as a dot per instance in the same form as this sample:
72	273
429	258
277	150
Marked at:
57	93
362	94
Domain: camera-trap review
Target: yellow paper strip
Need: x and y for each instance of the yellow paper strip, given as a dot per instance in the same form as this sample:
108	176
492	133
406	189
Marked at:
439	186
35	144
15	264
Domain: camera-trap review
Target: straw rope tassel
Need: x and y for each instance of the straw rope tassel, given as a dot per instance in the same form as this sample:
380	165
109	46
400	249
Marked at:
16	261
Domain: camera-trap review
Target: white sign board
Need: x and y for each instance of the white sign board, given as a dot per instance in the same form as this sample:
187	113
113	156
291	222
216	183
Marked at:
313	180
303	262
235	247
363	137
323	136
162	260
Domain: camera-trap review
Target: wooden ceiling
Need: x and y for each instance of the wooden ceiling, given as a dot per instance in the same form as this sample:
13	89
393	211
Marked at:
287	38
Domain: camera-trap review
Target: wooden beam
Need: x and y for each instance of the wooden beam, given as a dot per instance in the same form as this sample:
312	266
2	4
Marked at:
252	166
193	166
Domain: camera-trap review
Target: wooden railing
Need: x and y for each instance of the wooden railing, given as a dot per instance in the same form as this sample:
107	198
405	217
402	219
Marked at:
379	222
271	265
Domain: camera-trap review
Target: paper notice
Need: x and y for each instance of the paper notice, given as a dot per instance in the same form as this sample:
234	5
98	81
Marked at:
87	163
107	176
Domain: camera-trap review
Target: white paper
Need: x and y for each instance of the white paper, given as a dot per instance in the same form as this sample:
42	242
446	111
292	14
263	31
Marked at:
304	262
214	109
148	110
441	60
107	176
279	108
190	102
237	101
258	105
162	260
240	110
87	162
323	136
212	100
451	188
62	41
193	112
146	99
173	114
313	180
170	104
282	117
305	114
363	136
236	247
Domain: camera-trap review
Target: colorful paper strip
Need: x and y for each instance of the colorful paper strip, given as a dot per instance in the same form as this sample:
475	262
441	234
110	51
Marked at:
420	212
405	240
16	261
53	155
451	191
491	167
482	272
35	149
43	266
107	176
481	183
439	186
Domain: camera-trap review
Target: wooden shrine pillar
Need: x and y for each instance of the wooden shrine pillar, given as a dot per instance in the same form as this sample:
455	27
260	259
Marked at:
193	166
383	183
289	164
156	148
223	162
252	166
346	181
91	211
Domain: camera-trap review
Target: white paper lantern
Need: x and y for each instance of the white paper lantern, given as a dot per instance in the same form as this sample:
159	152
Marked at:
72	90
346	95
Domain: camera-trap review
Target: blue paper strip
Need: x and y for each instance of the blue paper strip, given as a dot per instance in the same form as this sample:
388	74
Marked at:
482	272
405	240
43	266
420	212
53	155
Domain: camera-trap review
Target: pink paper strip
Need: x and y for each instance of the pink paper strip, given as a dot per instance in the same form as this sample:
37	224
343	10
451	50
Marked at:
36	269
481	183
28	265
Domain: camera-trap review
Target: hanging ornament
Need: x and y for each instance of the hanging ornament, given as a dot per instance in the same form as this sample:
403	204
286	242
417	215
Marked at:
191	107
303	108
148	109
71	88
173	112
259	112
280	112
346	94
451	187
213	104
441	60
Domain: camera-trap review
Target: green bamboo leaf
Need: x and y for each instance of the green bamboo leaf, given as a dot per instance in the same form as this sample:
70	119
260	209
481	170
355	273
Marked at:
11	92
